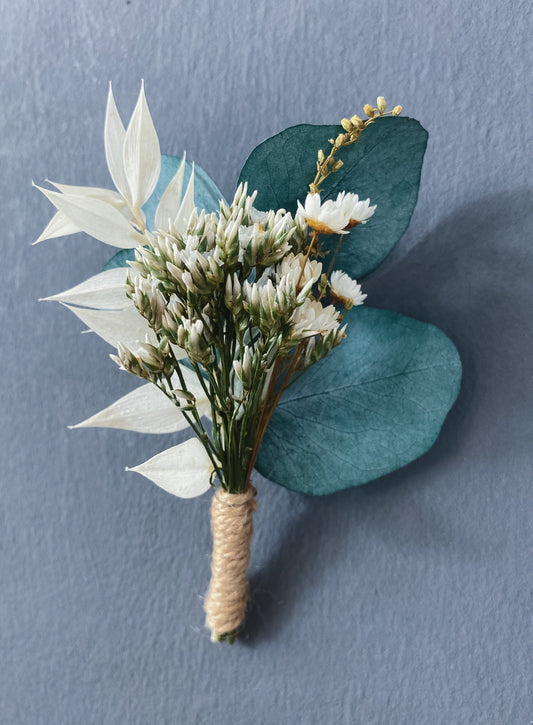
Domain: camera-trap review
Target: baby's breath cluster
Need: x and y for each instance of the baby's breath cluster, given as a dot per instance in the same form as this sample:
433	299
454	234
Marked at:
237	292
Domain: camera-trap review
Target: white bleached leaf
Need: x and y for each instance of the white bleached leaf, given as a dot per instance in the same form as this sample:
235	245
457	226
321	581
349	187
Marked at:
148	410
179	352
58	226
191	381
114	135
114	326
104	291
171	199
145	410
183	470
142	156
97	218
186	207
95	192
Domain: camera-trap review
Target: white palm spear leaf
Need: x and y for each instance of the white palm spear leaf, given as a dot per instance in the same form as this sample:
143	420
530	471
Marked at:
58	226
134	161
116	218
120	325
114	326
171	198
181	219
148	410
104	291
114	134
96	192
141	154
95	217
184	470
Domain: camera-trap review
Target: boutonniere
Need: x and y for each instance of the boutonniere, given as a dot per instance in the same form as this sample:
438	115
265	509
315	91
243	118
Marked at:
247	322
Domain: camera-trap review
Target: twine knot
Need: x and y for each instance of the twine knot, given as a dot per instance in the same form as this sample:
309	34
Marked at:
232	527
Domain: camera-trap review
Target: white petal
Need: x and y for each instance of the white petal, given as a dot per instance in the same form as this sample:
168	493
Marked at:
58	226
186	207
312	204
145	410
104	291
94	192
170	201
142	156
114	146
301	210
127	326
97	218
183	470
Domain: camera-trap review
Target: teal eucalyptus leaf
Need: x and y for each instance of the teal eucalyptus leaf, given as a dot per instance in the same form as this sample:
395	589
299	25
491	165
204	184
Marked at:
119	259
206	196
384	165
374	404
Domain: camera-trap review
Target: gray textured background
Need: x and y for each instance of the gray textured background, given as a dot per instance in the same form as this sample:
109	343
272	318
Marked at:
407	601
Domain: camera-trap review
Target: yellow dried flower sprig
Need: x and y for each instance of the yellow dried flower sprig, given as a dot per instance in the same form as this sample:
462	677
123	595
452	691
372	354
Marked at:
353	128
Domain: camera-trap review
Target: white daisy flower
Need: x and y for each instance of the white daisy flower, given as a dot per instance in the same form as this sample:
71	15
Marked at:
358	211
346	290
335	217
328	218
312	318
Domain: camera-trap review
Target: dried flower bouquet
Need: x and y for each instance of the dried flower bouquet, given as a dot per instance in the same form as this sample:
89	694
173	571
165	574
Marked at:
222	308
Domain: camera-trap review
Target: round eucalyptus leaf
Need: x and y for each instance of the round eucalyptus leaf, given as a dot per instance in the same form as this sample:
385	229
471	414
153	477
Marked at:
384	165
374	404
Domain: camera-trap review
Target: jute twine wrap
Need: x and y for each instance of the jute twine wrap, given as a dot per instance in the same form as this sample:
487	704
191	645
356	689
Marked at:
232	527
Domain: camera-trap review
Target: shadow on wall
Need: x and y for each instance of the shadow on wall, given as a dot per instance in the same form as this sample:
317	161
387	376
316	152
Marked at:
472	277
